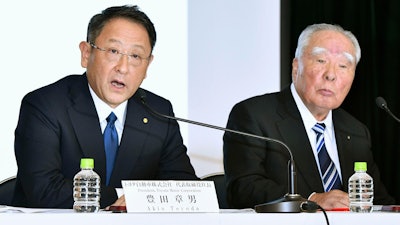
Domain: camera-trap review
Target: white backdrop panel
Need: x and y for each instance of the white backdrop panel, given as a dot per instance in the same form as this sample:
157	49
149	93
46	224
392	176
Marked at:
234	53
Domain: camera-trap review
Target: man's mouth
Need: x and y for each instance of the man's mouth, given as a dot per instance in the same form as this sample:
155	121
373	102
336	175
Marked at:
117	84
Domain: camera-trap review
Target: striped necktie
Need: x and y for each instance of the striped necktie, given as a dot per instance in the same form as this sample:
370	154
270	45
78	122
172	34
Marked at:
110	136
330	175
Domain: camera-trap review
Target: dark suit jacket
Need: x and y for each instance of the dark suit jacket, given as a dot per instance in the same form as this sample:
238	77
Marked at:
256	170
58	125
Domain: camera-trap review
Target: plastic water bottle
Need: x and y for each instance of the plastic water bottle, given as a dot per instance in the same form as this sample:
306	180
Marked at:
86	188
361	189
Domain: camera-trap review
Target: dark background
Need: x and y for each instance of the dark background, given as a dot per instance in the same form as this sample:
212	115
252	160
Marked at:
375	23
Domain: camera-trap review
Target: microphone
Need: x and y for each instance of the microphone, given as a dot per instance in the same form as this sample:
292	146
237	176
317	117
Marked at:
381	103
290	202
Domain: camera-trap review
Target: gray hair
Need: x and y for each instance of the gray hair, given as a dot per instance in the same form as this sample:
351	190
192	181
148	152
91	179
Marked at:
306	34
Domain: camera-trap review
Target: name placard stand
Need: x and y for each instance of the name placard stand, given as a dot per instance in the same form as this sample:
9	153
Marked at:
170	196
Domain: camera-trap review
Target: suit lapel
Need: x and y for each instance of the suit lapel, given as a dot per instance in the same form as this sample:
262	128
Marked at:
86	125
137	124
344	142
294	135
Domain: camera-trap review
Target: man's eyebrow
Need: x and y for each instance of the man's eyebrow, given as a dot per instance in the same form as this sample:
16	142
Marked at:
135	46
320	50
349	56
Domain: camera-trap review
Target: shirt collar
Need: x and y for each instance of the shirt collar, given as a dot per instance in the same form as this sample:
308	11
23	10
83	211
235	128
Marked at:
104	110
307	117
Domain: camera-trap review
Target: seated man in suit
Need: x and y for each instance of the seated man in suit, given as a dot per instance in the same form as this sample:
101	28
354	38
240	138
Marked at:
322	74
63	122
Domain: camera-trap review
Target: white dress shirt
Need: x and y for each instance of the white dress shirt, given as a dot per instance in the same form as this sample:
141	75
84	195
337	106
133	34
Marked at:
329	134
104	110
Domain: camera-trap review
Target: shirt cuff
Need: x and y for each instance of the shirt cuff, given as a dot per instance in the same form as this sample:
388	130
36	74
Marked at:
309	197
120	192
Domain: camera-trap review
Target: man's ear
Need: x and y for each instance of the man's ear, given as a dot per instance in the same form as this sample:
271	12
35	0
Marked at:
150	60
85	53
295	68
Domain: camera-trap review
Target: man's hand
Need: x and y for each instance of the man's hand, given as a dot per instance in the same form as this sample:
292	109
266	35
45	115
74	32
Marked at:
331	199
120	202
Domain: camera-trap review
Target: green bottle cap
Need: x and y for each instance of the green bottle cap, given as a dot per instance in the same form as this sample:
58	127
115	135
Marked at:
87	163
360	166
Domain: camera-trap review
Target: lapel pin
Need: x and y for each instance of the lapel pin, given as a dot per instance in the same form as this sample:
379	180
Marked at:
145	120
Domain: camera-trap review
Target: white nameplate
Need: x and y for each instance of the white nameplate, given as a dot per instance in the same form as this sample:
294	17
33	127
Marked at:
170	196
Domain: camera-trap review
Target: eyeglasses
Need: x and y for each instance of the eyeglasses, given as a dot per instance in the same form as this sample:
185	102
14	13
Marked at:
114	55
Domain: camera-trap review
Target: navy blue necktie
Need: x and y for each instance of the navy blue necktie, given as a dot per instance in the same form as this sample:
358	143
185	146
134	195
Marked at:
330	175
110	144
